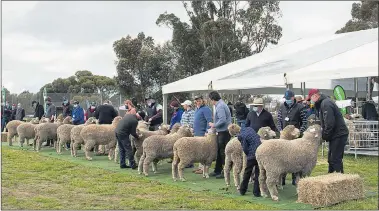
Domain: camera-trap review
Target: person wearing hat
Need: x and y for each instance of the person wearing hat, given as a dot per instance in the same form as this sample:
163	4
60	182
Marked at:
188	115
77	114
20	112
154	114
292	113
259	117
91	110
50	110
67	108
38	109
202	118
126	127
177	115
241	112
334	129
223	119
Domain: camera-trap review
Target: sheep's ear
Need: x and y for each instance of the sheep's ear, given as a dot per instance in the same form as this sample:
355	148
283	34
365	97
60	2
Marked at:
265	134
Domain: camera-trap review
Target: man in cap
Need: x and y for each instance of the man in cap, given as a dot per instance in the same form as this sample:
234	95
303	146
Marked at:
241	112
126	127
202	118
333	126
154	114
50	110
292	113
259	117
188	115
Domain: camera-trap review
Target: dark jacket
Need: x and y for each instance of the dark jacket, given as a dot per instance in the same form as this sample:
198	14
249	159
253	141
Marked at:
332	123
127	126
176	117
7	113
250	141
264	119
67	110
155	115
203	116
241	110
105	114
20	114
39	111
78	116
296	116
369	112
90	112
14	111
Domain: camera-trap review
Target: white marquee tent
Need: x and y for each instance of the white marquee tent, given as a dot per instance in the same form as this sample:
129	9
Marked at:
322	62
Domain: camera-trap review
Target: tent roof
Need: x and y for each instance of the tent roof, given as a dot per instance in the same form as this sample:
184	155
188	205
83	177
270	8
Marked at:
266	69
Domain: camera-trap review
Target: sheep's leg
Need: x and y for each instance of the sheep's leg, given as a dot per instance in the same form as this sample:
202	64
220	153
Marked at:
227	168
182	164
34	144
116	154
280	183
138	154
111	153
262	182
236	172
271	184
22	140
75	148
59	146
10	137
146	163
206	169
27	142
39	144
87	149
155	166
175	168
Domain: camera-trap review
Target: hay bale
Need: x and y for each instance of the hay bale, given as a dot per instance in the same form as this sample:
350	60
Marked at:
326	190
4	136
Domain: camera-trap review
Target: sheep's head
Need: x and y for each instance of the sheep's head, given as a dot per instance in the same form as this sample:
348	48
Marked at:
185	131
266	133
34	121
211	131
314	133
175	128
234	129
143	125
91	120
67	120
164	128
116	120
312	120
60	117
44	120
290	132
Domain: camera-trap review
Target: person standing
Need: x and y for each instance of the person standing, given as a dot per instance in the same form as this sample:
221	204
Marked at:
130	108
222	120
154	114
334	129
177	115
105	113
51	110
91	110
38	110
259	117
188	115
67	108
14	111
126	127
6	115
202	118
292	113
20	113
241	112
250	141
77	114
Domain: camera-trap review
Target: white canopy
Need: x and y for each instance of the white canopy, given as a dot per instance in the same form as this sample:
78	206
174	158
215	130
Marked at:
317	59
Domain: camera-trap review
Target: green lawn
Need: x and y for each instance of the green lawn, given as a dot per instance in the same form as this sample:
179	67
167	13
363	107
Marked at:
45	180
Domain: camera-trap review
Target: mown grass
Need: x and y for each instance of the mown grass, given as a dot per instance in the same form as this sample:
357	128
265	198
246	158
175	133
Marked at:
32	181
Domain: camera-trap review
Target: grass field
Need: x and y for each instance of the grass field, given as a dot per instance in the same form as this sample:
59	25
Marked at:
44	180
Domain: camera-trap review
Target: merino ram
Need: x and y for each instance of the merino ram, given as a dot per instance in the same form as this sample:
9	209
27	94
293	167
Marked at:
48	131
277	157
26	131
76	139
12	129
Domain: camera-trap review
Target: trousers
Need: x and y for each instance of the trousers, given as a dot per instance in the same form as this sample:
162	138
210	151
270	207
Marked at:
125	149
247	175
223	138
335	154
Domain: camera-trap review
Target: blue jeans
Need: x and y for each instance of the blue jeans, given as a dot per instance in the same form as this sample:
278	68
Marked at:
125	149
241	123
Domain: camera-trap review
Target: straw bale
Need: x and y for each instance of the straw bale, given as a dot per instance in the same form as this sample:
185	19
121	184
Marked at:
326	190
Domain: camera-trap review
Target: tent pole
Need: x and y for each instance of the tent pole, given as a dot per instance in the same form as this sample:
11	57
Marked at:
369	94
304	90
356	94
164	108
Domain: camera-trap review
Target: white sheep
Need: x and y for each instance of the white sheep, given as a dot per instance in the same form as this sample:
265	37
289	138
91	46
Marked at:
276	157
188	150
76	139
26	131
48	131
158	147
64	135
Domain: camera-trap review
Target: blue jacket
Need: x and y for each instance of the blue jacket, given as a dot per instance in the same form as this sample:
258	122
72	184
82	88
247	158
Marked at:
250	141
203	116
222	117
176	117
77	116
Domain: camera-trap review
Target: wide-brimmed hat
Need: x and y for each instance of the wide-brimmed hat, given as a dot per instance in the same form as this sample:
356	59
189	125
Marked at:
258	102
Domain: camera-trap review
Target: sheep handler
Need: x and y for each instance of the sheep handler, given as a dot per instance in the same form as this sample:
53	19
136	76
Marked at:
333	126
126	127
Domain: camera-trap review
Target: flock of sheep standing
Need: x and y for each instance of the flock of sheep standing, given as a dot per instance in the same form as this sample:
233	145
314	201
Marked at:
288	154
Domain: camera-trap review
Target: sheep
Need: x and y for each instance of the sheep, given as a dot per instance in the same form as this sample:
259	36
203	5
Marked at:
12	129
277	156
94	135
235	156
76	139
194	149
26	131
64	135
48	131
158	147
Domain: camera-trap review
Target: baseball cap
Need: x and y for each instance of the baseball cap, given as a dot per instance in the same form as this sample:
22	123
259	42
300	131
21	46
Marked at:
289	94
310	93
187	102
